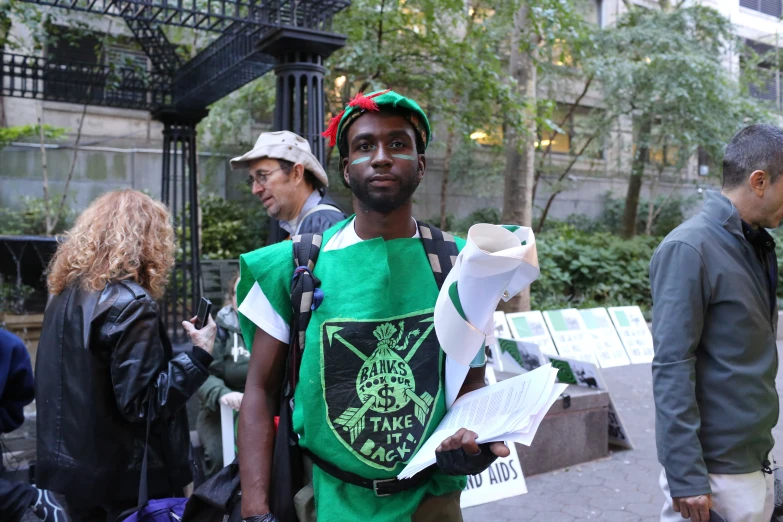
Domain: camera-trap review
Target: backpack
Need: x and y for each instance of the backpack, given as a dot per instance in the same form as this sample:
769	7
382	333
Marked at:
287	476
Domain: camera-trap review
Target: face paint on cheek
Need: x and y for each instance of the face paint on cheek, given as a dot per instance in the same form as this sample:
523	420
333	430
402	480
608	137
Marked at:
360	160
404	156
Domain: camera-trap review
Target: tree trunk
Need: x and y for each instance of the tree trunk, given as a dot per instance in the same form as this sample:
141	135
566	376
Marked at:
519	173
444	184
637	177
556	191
61	207
45	170
651	202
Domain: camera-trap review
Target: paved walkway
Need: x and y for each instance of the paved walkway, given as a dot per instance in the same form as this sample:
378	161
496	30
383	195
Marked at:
620	488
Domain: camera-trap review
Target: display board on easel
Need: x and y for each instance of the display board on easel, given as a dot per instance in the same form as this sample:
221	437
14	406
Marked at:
581	373
609	348
633	331
531	327
570	334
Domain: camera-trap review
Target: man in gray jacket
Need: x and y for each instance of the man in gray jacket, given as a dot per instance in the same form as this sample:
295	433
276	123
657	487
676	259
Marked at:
714	280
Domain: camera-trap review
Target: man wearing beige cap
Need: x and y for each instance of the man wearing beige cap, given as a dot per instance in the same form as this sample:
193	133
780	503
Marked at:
290	183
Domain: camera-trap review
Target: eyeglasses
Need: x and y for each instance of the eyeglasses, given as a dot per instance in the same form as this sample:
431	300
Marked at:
261	179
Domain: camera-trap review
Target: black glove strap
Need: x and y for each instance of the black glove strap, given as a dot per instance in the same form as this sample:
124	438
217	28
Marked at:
457	462
269	517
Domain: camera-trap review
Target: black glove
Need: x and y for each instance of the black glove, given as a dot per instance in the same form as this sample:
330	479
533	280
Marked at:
457	462
269	517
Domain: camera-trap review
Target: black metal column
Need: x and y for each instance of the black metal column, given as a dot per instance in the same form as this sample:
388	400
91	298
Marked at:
179	191
299	100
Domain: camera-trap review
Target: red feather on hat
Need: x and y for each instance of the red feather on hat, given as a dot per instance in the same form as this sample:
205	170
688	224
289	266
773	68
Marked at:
365	103
331	130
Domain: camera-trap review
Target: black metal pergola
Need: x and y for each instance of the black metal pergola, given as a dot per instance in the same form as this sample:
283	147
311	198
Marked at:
290	37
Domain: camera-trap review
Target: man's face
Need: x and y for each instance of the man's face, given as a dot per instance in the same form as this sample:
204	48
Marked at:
273	187
771	204
383	168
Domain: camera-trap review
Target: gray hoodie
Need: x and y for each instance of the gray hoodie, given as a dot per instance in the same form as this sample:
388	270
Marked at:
715	354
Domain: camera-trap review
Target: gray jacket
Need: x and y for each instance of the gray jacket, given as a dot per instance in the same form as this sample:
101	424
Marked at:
715	354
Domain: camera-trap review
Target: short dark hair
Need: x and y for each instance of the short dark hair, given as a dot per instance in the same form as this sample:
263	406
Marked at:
310	178
757	147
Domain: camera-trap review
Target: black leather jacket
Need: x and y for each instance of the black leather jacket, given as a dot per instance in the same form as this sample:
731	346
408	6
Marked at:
104	363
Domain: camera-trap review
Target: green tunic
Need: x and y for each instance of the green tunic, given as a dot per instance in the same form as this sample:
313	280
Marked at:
371	386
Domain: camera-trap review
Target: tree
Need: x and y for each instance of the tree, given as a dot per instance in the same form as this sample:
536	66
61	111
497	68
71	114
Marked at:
663	69
447	54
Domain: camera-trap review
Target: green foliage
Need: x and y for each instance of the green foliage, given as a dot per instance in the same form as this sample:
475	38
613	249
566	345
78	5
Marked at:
30	220
667	66
11	134
581	270
231	228
610	220
460	227
227	127
12	297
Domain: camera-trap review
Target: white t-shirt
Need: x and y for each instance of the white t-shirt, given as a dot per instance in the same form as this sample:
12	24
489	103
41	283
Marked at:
257	307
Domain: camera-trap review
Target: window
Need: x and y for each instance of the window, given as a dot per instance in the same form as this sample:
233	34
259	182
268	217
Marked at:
591	10
489	137
69	48
664	155
660	151
74	68
770	7
764	83
578	129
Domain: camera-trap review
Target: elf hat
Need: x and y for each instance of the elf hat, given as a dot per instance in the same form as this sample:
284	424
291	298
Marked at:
373	102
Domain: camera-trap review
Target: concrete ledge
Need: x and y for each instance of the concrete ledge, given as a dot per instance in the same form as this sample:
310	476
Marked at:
569	436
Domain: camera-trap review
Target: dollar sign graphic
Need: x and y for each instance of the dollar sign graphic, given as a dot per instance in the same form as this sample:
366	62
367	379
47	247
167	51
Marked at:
386	399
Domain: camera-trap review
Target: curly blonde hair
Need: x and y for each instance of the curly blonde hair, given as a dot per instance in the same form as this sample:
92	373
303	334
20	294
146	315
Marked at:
123	234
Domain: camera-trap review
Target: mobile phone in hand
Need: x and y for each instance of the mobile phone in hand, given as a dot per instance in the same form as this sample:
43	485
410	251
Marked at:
204	308
714	517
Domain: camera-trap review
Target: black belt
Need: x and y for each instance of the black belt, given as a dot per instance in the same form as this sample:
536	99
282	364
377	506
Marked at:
381	487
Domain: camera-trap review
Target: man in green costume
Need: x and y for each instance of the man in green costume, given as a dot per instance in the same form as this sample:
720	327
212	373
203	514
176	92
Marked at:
371	381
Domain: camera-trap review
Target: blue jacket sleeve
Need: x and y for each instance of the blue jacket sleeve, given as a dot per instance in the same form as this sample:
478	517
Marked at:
681	293
17	388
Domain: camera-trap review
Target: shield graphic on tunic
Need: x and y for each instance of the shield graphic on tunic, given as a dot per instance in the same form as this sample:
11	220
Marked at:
381	380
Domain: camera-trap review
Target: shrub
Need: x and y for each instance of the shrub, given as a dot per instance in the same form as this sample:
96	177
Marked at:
672	215
12	297
231	228
30	220
582	270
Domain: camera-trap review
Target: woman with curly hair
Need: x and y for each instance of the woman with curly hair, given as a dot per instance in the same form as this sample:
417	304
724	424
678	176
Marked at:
105	364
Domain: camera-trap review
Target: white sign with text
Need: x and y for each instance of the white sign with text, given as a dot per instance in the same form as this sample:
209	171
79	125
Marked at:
608	347
634	333
570	334
588	375
503	479
531	327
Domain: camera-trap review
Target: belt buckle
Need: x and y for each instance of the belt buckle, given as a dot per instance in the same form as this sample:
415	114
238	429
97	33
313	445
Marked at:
375	484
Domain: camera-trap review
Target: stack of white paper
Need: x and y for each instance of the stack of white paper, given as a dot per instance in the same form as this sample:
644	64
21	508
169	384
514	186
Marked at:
510	410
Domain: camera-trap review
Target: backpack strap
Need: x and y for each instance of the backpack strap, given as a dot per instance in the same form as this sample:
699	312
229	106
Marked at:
441	251
306	294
